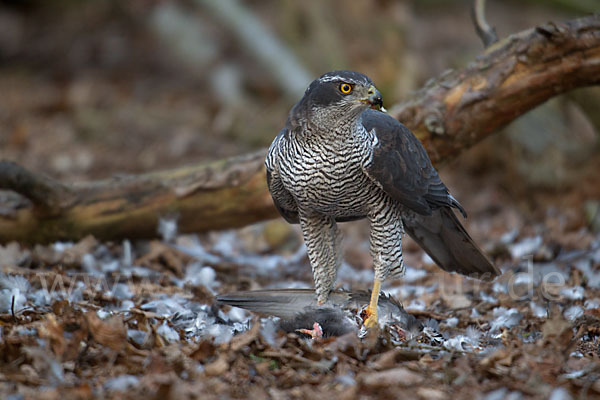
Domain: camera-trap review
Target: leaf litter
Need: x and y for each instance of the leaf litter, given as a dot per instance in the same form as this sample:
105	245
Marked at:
135	319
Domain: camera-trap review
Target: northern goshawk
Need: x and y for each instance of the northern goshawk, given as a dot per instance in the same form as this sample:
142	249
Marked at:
338	160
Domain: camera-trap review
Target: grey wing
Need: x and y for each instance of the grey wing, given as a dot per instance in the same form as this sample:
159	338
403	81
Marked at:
401	166
282	198
283	303
447	242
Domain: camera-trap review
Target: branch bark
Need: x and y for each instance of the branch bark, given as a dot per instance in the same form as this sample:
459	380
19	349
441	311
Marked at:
450	114
460	108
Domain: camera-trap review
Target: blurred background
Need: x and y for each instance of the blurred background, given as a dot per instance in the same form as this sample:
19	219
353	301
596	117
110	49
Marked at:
94	88
90	89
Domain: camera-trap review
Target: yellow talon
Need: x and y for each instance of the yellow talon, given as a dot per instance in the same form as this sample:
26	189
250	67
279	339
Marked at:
371	310
371	321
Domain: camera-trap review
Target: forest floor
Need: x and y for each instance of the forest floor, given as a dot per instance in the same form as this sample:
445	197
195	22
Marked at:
126	320
89	93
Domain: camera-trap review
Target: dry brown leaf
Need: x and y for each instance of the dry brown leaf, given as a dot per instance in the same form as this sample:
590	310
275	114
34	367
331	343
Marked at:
74	254
163	255
12	254
456	301
390	358
45	255
391	377
110	333
557	329
52	331
348	344
205	350
245	338
217	367
501	356
426	393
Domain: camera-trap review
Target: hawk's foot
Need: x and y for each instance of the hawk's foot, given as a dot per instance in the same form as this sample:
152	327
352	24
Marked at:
371	311
315	332
371	320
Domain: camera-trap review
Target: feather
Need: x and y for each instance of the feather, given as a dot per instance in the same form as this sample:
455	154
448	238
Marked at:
447	242
402	168
298	308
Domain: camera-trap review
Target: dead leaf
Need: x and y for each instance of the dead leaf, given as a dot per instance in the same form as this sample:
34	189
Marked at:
12	254
557	329
164	256
431	394
53	332
391	377
502	356
456	301
217	367
110	333
245	338
205	350
73	255
391	358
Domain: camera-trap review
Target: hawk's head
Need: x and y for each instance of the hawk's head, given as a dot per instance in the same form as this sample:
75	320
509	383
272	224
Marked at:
339	95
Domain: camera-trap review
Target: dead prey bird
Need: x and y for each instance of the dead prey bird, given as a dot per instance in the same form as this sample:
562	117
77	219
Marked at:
338	160
342	313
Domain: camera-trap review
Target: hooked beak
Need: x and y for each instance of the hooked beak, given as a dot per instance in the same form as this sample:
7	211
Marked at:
374	98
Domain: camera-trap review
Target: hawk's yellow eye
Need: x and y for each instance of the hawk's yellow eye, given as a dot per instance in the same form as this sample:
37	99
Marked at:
345	88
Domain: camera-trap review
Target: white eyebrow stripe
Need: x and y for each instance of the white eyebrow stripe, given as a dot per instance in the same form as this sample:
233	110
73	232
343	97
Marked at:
336	78
330	78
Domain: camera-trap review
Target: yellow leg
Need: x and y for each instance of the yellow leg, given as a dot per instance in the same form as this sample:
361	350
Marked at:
371	311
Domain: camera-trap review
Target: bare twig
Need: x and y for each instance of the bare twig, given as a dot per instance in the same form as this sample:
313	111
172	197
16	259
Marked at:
514	75
486	33
12	308
262	44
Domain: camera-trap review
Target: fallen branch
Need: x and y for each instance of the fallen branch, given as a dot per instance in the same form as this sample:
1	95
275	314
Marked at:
213	195
449	115
460	108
